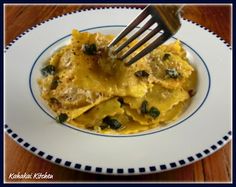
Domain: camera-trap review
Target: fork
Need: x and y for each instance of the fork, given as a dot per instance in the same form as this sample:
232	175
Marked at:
168	23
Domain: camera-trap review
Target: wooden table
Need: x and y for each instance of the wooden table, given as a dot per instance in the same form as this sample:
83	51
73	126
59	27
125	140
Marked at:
216	167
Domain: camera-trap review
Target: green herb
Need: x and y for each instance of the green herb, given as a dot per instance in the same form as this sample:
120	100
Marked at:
166	56
48	70
154	112
141	73
54	83
61	118
113	123
143	108
54	101
172	73
121	101
90	49
104	126
191	93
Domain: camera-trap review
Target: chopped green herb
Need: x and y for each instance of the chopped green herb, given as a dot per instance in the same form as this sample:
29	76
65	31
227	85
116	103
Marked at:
90	128
141	73
48	70
54	83
121	101
143	108
90	49
172	73
61	118
113	123
191	93
154	112
166	56
54	101
104	126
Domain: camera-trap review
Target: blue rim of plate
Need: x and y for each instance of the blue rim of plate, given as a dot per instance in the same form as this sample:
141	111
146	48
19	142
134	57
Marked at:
120	171
119	136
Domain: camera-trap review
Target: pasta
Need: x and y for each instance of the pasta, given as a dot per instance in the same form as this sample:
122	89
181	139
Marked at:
87	87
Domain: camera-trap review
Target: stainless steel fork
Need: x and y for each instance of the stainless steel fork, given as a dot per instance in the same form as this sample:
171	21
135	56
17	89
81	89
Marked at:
168	23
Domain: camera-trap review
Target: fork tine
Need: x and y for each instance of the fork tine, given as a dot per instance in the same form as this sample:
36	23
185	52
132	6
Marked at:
141	42
133	37
130	27
166	17
150	47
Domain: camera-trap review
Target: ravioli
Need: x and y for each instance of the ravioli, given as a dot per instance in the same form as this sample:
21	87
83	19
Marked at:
129	126
159	97
174	112
72	113
169	58
88	87
95	115
101	73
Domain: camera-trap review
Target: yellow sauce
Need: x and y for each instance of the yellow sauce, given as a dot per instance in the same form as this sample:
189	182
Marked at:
96	91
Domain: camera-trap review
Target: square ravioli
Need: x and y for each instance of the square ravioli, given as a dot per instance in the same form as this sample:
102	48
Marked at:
87	86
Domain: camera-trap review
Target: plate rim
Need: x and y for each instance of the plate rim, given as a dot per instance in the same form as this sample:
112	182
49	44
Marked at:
118	171
115	171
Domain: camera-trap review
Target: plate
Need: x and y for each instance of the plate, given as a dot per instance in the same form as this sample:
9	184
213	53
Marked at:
203	128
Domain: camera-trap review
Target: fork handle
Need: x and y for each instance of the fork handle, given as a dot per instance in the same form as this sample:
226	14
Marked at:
175	9
178	8
168	15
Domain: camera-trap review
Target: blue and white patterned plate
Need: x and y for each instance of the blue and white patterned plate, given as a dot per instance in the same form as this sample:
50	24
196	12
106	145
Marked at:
202	129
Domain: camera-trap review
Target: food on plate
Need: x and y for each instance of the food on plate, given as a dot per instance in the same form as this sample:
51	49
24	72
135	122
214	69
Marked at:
86	86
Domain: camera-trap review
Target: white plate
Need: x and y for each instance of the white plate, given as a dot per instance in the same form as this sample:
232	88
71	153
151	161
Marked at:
204	127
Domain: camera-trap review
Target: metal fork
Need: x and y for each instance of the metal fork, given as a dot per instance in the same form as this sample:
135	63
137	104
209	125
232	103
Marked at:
168	23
